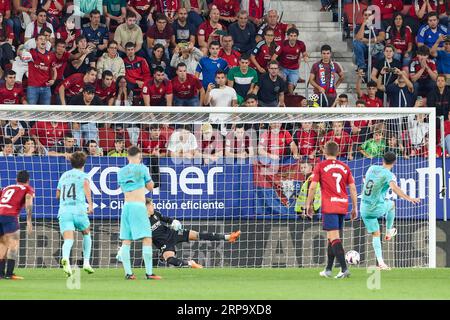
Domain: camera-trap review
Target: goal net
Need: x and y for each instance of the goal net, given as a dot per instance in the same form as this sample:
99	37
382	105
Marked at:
220	170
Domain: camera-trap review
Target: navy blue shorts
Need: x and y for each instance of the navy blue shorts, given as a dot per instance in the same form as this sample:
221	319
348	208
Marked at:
332	221
8	224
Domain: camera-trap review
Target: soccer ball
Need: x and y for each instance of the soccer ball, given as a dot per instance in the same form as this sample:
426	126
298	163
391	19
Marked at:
352	257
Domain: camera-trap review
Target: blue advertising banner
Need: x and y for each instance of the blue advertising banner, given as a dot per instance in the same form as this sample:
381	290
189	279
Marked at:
227	190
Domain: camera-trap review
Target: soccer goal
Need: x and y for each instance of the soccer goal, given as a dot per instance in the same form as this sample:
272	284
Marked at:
226	169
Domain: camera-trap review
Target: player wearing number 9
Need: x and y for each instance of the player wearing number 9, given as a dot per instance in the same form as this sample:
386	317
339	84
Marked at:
334	176
12	200
374	205
72	192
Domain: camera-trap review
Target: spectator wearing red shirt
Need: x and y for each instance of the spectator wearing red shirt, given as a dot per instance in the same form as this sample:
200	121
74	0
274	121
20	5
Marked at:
10	91
279	28
5	9
209	30
388	8
43	74
137	71
68	34
211	143
74	84
186	88
399	35
105	88
341	137
158	92
274	142
323	77
141	9
46	134
161	32
54	10
167	7
238	144
153	143
60	59
256	9
290	53
370	98
263	52
228	10
306	140
422	71
227	53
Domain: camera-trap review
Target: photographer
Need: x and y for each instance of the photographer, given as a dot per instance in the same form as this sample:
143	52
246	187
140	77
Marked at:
389	63
400	93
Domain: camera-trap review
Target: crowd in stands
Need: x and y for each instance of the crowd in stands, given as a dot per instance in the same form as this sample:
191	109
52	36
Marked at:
228	53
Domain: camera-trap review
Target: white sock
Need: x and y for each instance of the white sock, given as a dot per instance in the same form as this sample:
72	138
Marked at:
227	237
86	262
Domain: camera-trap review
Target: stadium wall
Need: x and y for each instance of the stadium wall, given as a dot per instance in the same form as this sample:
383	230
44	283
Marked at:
263	243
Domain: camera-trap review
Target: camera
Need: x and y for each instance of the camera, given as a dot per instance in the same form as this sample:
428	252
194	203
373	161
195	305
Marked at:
390	70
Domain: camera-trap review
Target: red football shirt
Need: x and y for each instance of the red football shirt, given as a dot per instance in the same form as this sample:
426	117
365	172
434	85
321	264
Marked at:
39	68
205	29
139	5
396	39
415	67
187	89
344	142
262	54
60	64
12	199
334	176
13	96
289	56
372	103
105	93
148	145
157	93
232	59
307	141
228	8
276	144
74	84
48	134
279	32
5	5
53	11
62	33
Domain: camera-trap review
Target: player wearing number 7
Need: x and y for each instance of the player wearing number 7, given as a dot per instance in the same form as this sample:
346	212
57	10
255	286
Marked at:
374	204
72	192
334	176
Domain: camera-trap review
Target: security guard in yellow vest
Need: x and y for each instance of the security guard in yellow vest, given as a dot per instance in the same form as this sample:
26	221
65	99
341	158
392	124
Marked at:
300	207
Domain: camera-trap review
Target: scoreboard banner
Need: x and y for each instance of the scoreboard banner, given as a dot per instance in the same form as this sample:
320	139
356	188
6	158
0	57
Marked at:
226	189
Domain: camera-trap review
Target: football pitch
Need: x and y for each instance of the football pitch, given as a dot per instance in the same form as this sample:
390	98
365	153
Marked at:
224	284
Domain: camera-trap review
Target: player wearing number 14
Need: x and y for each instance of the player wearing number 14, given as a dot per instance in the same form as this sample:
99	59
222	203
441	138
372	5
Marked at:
334	176
73	190
374	205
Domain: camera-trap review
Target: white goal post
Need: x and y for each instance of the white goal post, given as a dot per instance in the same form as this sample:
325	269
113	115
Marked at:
222	198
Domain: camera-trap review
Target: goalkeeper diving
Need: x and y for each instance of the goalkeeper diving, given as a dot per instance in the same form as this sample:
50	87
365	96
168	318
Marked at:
374	204
168	232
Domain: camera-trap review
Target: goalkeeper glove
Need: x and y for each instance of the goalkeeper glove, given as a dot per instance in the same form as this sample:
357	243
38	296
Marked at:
176	225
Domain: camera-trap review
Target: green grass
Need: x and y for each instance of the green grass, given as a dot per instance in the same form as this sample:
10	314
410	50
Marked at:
260	284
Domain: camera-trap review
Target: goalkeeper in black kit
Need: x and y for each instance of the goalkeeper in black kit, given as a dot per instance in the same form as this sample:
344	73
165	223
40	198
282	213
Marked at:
168	232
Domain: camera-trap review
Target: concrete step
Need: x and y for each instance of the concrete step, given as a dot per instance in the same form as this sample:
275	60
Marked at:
307	16
321	36
336	54
336	46
315	24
